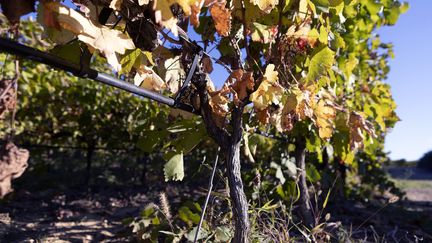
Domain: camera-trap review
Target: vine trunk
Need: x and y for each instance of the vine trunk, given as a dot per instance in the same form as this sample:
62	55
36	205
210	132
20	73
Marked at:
304	200
237	194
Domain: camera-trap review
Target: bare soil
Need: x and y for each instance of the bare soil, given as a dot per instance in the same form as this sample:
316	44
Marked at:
77	216
98	215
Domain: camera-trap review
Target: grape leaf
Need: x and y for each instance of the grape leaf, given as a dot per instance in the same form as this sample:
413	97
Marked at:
242	84
298	106
148	79
321	61
108	41
116	4
263	33
164	15
174	168
219	104
221	17
357	124
269	92
265	5
325	114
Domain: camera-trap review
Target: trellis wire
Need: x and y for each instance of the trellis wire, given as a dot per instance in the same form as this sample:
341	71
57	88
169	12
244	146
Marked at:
210	187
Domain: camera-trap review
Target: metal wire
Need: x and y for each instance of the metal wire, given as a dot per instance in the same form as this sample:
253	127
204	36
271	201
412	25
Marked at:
210	187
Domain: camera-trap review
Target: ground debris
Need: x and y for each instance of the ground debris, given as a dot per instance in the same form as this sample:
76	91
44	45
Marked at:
13	162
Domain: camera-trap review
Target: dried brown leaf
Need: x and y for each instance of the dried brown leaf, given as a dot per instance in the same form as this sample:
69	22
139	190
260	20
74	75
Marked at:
13	162
221	17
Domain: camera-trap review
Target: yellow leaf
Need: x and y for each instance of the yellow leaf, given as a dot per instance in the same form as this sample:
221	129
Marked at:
270	74
298	106
148	79
116	4
303	9
325	114
269	92
108	41
143	2
266	5
164	15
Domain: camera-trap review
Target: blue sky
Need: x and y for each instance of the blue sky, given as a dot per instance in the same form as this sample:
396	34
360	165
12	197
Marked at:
411	81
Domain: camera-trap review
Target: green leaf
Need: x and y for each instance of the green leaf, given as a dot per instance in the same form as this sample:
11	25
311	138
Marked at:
73	52
188	216
392	15
373	7
223	234
130	59
338	41
312	173
404	7
328	3
189	140
320	63
203	233
327	198
174	168
150	139
323	36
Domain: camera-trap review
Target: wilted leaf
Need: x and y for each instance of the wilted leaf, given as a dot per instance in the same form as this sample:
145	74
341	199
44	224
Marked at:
116	4
357	124
242	83
269	92
164	15
195	12
263	116
8	97
207	64
148	79
221	17
219	103
13	162
265	5
298	106
108	41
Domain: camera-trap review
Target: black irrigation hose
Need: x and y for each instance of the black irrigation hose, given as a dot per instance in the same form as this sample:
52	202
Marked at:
12	47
